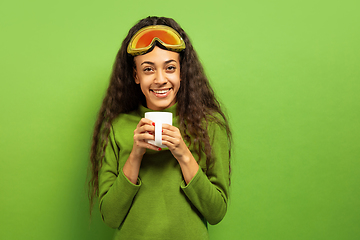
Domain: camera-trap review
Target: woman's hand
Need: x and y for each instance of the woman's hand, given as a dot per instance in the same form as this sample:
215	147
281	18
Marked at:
144	131
171	137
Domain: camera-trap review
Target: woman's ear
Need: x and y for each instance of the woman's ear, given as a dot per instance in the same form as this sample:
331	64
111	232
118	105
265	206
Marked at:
136	76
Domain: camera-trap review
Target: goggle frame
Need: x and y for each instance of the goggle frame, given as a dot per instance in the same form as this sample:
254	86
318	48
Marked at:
134	51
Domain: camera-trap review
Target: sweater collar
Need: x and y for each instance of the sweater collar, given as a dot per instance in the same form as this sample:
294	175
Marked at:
171	109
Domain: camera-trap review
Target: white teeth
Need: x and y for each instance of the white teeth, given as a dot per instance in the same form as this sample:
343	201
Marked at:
161	91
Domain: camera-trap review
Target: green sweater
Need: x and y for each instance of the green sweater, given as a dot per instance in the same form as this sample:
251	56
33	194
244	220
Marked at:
161	205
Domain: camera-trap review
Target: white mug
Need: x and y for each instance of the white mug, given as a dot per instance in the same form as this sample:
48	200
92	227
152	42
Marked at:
159	118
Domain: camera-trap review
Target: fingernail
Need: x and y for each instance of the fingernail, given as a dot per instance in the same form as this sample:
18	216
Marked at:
159	149
153	124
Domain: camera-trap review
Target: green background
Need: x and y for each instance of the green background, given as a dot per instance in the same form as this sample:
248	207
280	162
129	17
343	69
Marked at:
287	73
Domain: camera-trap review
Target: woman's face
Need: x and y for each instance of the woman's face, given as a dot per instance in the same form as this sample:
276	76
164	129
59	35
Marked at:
158	73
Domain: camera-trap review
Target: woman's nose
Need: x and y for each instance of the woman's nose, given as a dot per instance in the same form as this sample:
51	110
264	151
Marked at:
160	78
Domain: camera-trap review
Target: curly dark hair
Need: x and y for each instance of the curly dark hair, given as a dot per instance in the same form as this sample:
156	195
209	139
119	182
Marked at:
196	107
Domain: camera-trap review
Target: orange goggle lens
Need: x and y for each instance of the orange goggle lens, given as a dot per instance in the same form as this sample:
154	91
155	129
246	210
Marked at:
145	38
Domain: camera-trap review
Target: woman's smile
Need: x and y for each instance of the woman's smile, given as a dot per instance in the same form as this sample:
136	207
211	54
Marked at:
162	93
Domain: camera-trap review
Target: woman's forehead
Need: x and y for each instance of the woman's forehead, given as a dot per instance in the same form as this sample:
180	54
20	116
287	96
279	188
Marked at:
157	55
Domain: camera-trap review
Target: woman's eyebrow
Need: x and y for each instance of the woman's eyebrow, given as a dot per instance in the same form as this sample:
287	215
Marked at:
151	63
147	62
169	61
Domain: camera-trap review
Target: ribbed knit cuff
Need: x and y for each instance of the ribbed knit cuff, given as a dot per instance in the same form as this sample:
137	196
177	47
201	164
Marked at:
195	182
127	183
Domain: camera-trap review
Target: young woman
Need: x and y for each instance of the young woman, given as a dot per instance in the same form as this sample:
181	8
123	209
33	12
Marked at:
146	192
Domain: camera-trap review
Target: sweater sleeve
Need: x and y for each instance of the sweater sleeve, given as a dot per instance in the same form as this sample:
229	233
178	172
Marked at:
116	192
209	192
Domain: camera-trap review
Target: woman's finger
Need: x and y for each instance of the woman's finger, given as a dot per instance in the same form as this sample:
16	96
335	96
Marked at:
143	144
147	128
171	141
143	136
144	121
144	125
170	128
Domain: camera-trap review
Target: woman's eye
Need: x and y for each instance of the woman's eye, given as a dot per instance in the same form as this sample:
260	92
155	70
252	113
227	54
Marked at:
171	68
148	69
